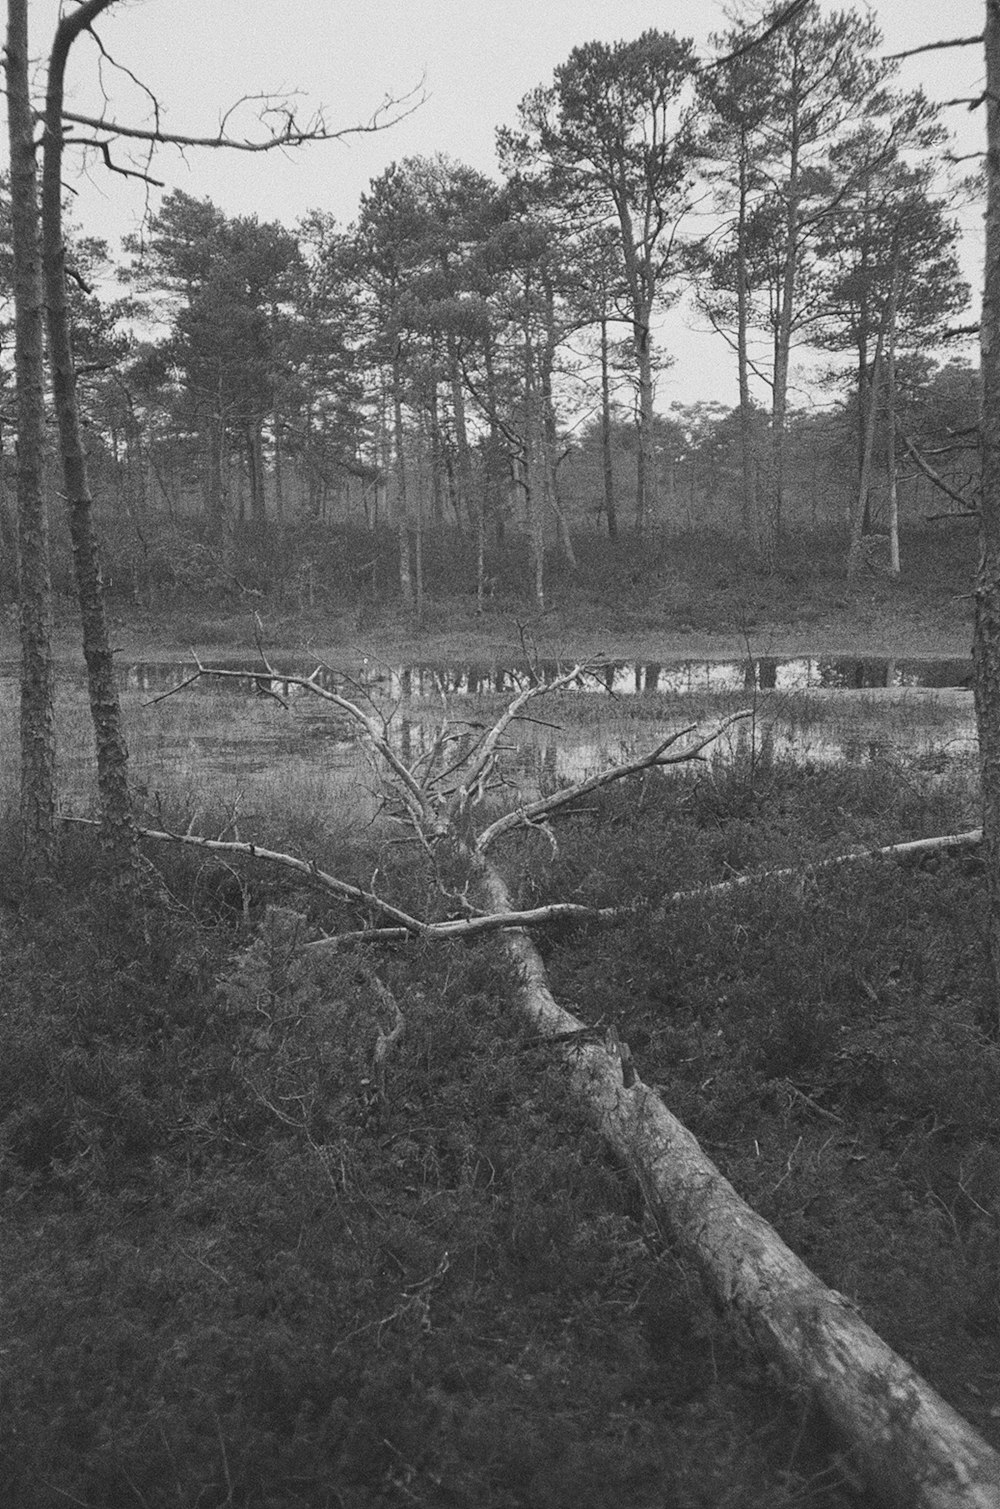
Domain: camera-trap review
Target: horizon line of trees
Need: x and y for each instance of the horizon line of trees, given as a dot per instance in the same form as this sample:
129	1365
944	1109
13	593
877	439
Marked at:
483	352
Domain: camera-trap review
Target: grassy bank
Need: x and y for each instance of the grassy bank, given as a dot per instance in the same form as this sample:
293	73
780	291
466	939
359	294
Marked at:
239	1272
667	593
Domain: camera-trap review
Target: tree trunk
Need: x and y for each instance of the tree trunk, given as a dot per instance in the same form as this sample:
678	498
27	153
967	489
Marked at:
34	592
647	499
534	513
913	1449
774	502
607	464
748	490
118	826
279	478
402	498
470	502
890	448
255	471
550	432
862	510
215	488
986	642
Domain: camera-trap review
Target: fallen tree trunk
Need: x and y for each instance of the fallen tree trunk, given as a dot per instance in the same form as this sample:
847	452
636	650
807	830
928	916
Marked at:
913	1449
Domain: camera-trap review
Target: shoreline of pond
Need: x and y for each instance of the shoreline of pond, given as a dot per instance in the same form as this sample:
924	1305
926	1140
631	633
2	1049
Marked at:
501	643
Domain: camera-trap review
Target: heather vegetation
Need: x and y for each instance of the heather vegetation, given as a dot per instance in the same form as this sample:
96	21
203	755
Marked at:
245	1264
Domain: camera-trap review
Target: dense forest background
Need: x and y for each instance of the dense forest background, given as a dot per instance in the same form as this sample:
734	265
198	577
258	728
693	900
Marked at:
468	371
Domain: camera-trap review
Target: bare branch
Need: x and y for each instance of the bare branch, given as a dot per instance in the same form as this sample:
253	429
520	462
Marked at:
287	131
912	52
784	18
309	872
546	806
456	928
935	476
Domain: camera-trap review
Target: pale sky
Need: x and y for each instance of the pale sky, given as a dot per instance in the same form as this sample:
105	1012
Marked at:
475	60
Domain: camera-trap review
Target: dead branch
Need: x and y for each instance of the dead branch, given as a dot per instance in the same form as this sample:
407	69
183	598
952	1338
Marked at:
310	872
414	795
458	928
485	750
912	52
289	132
912	849
935	476
546	806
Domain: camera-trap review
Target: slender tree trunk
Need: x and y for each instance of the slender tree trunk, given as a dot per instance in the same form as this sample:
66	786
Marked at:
890	438
772	510
532	492
748	491
255	470
862	509
860	512
112	754
402	497
550	433
34	593
497	476
418	550
437	467
215	487
647	497
607	463
986	643
466	501
279	479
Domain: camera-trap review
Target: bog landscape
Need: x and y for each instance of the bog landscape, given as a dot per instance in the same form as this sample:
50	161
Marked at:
499	876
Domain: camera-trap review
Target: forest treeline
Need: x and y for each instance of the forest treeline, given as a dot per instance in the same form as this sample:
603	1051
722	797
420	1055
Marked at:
481	354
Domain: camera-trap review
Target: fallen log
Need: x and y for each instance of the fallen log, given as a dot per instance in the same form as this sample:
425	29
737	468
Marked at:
913	1450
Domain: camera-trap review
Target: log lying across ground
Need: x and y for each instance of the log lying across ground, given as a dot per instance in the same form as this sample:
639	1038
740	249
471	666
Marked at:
913	1450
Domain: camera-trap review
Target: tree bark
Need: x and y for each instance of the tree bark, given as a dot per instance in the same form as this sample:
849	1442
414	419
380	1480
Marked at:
748	492
118	827
34	593
402	497
607	465
986	641
890	446
913	1449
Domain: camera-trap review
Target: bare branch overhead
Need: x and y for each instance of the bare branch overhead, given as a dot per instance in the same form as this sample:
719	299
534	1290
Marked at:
912	52
284	129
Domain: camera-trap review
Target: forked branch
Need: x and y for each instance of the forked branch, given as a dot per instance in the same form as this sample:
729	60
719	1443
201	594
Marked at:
665	753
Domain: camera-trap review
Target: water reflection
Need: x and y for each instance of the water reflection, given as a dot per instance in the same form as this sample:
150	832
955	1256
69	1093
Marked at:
239	739
619	678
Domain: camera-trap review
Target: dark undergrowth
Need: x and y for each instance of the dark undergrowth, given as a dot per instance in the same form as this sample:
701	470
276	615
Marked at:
238	1270
333	580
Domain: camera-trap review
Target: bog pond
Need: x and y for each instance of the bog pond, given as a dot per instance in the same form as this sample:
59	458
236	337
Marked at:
256	742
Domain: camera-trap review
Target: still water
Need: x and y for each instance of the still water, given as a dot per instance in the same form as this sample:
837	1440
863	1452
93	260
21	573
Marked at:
619	678
924	714
215	738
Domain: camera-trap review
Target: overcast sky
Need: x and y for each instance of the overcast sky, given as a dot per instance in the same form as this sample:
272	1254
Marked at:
474	59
